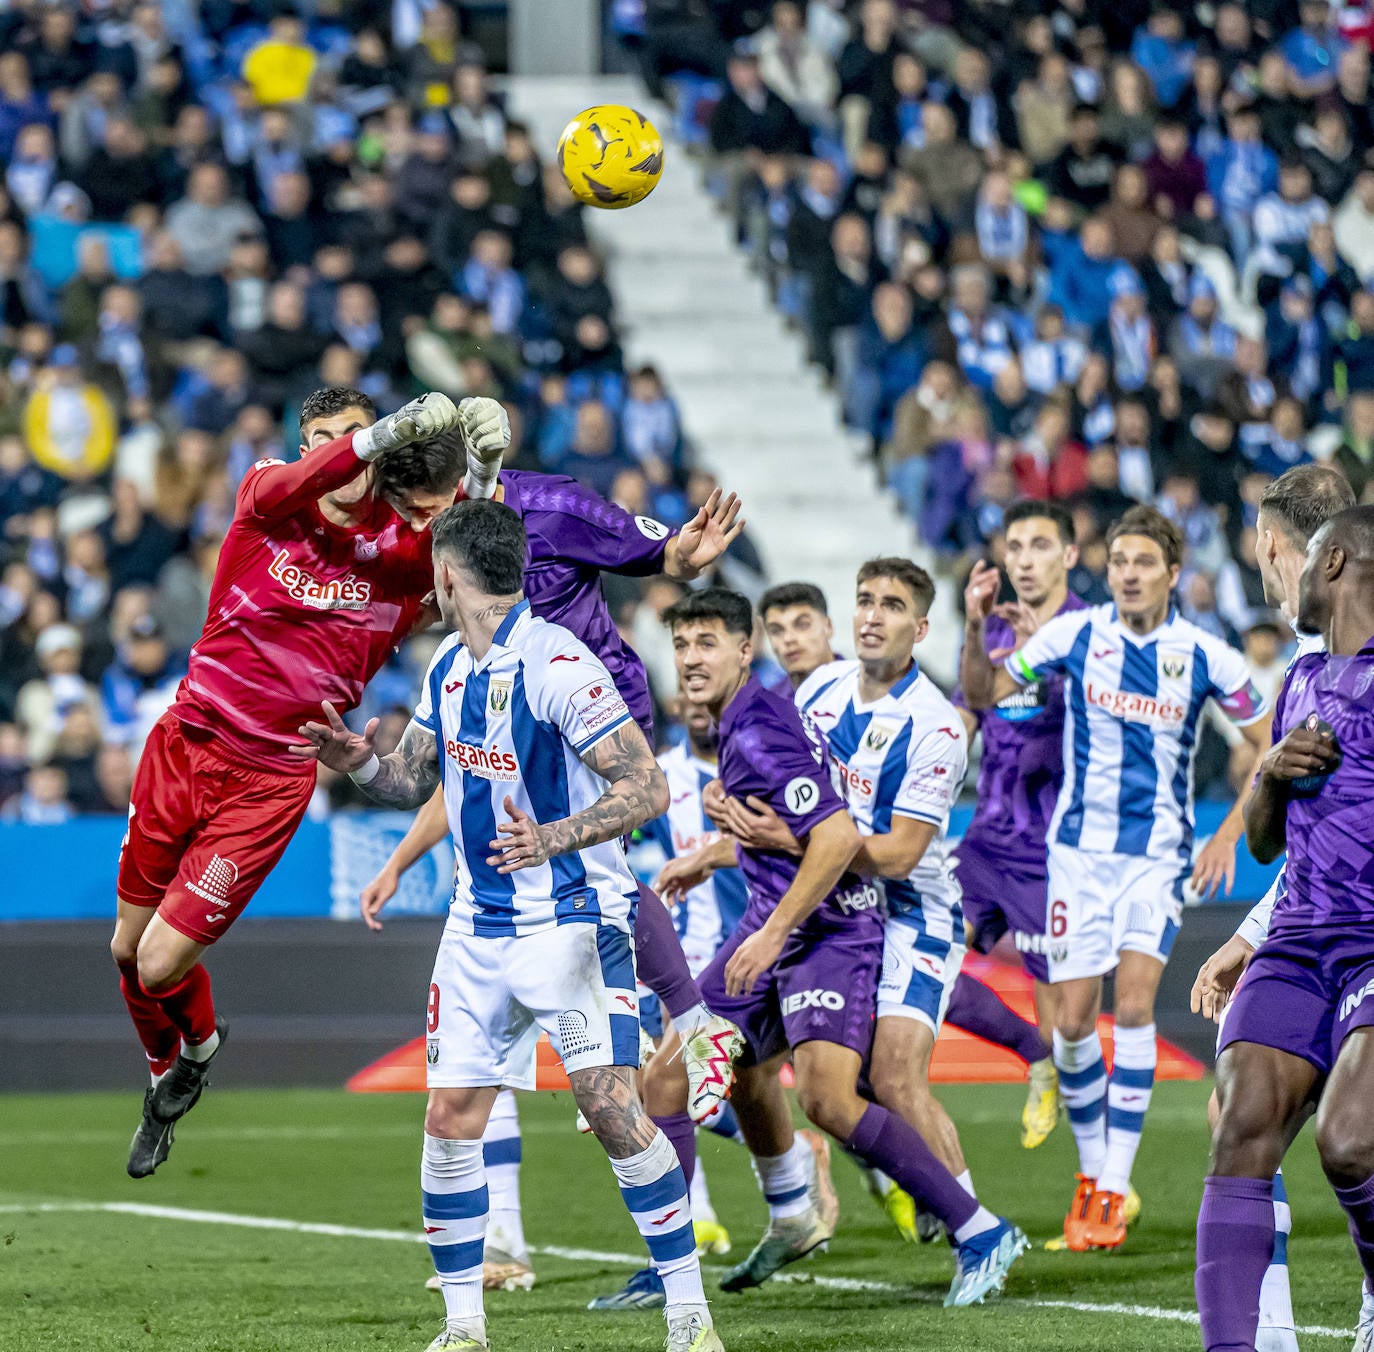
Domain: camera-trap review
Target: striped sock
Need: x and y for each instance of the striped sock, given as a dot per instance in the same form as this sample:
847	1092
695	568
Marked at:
455	1205
1083	1083
702	1210
786	1180
725	1123
1128	1098
501	1154
655	1192
1276	1332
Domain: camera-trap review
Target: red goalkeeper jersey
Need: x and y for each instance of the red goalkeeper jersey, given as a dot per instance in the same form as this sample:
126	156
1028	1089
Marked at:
301	610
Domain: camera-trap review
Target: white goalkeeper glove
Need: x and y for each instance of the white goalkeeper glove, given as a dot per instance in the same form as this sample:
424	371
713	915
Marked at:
419	420
486	433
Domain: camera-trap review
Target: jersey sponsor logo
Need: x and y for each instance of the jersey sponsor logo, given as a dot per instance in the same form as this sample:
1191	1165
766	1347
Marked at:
498	701
863	897
219	876
564	657
215	917
574	1039
1027	702
598	705
815	999
1136	708
686	844
263	464
801	794
365	549
855	783
484	762
1103	652
1355	999
452	686
651	529
1028	943
341	593
683	797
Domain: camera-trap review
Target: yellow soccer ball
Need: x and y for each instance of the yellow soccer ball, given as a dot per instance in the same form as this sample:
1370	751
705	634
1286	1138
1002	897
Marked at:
611	156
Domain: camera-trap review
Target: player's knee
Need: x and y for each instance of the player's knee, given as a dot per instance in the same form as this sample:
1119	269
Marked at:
443	1119
1134	1011
158	972
1345	1144
1247	1136
831	1112
1074	1025
124	951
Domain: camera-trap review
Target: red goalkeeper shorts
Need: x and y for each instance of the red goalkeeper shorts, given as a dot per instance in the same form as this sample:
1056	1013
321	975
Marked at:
204	830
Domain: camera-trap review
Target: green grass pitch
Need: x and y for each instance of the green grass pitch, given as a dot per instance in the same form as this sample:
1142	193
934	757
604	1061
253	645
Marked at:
75	1274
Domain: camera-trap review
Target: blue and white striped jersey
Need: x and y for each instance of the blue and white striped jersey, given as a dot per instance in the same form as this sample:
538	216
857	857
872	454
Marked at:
516	724
903	755
706	917
1132	704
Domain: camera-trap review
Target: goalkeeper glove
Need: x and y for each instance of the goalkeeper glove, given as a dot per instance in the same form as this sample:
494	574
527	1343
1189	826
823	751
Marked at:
419	420
486	433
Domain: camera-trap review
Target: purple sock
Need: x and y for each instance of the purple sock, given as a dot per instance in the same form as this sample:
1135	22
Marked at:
884	1141
1359	1207
659	961
681	1132
977	1009
1235	1241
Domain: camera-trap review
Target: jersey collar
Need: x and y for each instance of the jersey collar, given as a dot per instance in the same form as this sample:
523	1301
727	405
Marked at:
1144	640
507	626
896	692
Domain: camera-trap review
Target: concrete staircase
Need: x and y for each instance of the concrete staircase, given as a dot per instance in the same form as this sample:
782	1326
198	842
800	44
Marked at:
759	416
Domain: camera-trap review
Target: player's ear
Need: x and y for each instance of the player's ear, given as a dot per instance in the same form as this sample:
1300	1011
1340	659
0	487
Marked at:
1070	556
922	628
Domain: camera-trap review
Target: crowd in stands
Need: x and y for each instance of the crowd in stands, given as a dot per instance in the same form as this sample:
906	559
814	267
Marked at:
1109	251
206	211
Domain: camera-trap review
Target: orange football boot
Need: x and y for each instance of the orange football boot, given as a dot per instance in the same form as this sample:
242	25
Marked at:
1106	1228
1079	1219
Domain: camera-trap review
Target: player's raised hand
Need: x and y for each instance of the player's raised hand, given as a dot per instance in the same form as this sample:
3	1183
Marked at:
1023	624
486	434
419	420
334	745
376	895
715	527
520	842
754	823
980	592
752	959
1217	977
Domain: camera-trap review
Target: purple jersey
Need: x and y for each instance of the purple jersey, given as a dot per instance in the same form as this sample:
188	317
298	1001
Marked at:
575	536
768	749
1330	869
1023	760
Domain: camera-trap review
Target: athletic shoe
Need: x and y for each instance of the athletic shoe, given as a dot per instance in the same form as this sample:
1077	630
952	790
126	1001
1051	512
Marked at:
1130	1210
929	1227
711	1237
179	1089
502	1271
981	1265
1079	1215
582	1124
152	1141
709	1055
460	1340
784	1242
1364	1331
897	1205
644	1291
823	1195
1106	1227
692	1332
1040	1116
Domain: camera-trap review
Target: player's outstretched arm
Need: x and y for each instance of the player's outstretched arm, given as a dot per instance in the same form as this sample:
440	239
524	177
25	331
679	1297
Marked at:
982	682
894	853
679	876
1215	868
404	779
707	536
638	793
1217	977
426	831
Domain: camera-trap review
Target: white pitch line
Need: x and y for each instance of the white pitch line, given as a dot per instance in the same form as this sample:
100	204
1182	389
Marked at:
173	1213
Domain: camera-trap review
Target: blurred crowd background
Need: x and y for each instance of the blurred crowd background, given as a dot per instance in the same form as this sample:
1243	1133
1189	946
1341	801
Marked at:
1108	252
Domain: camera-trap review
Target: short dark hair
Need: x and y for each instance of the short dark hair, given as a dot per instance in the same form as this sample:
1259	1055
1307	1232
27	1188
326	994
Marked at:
903	570
486	540
793	594
1304	498
434	466
332	399
1153	525
1028	509
713	603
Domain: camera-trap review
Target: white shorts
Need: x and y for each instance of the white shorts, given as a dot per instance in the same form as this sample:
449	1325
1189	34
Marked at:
489	998
1103	904
919	972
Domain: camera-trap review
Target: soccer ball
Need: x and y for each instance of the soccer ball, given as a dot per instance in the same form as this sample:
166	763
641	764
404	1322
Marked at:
611	156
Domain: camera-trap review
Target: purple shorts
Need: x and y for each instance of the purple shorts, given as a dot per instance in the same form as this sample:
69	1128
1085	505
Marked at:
823	988
1004	893
1304	993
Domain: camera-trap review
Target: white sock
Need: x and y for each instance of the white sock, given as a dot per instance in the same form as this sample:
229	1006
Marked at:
1128	1097
201	1051
786	1180
702	1210
655	1193
1083	1084
979	1223
501	1153
965	1181
1276	1332
688	1022
455	1206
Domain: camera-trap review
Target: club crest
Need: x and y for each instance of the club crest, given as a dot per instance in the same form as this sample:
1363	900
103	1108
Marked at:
499	699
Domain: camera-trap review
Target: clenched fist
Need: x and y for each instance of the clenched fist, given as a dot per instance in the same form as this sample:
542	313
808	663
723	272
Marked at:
486	433
419	420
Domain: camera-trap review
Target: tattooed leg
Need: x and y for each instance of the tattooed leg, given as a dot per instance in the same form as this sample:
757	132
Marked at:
609	1099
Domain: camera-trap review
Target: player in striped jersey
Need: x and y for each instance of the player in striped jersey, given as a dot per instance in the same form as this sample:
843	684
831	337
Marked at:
1291	510
543	771
1120	843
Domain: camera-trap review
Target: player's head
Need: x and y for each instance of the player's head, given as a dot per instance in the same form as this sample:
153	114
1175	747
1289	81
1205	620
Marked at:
333	412
421	480
713	645
479	554
1292	510
1144	556
701	730
891	610
1340	564
1040	550
797	622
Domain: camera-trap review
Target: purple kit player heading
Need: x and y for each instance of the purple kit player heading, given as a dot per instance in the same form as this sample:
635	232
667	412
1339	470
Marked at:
1299	1022
801	971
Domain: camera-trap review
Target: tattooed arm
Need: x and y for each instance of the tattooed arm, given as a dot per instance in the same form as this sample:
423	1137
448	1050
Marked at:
638	792
404	779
